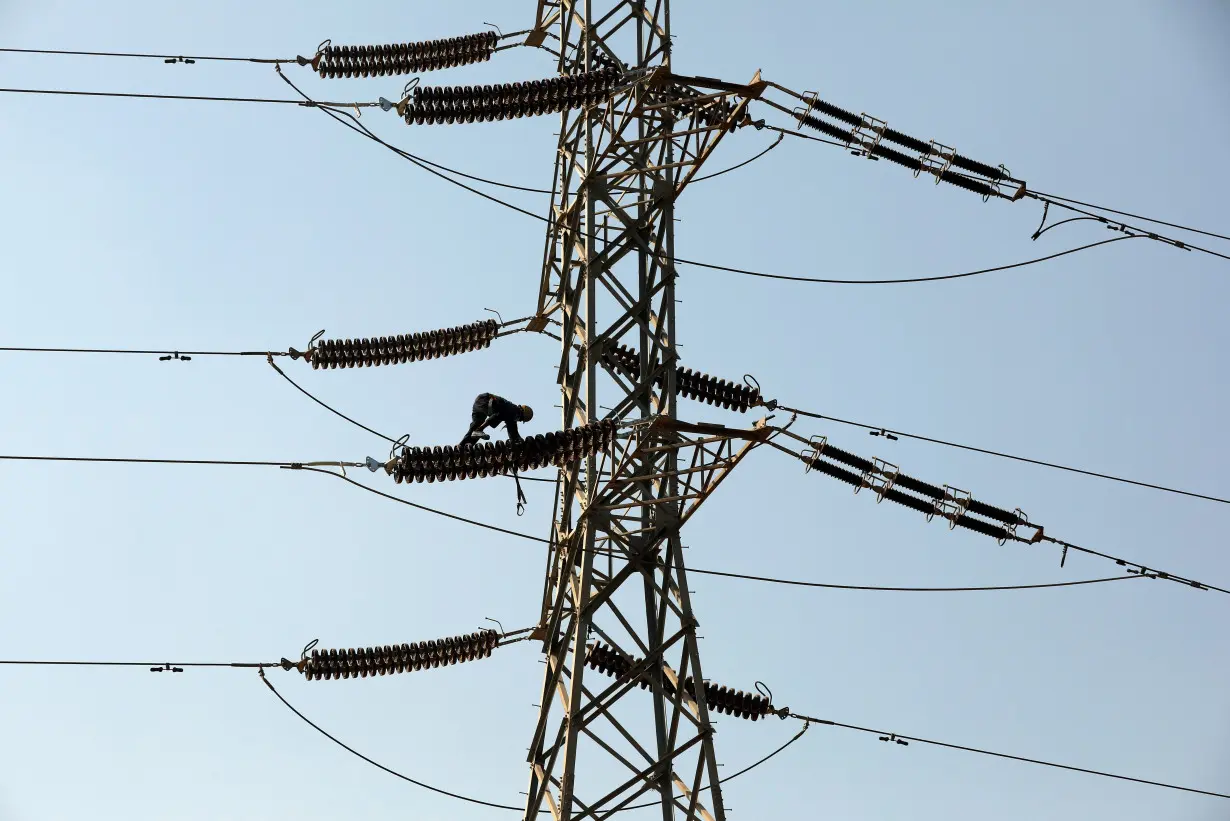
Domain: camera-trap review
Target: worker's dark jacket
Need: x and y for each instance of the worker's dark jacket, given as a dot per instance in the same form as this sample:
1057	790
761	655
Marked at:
490	410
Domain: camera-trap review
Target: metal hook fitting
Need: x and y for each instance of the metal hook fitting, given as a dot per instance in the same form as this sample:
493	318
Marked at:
496	621
400	443
764	690
497	314
311	645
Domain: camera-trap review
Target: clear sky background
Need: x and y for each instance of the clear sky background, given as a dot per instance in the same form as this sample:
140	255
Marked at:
195	225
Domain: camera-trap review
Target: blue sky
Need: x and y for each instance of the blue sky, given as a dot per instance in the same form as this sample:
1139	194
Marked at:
193	225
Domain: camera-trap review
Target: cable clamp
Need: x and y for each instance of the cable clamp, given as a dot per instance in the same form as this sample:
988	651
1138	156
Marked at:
952	505
1010	527
867	135
893	737
879	477
815	449
174	355
810	98
884	433
166	668
936	161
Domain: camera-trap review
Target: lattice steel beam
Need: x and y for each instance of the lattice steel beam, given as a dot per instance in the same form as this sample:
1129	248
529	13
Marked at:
608	277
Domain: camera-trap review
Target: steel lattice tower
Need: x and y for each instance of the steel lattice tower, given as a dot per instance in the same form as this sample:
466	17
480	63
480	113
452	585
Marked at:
615	572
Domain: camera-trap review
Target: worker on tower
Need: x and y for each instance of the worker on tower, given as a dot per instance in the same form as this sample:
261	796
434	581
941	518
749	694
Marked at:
489	411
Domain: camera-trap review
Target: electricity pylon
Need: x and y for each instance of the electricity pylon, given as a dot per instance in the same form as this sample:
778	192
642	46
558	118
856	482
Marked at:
608	278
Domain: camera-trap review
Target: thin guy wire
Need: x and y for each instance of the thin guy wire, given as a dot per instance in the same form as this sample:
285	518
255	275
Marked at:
1133	216
142	55
1009	456
132	95
1008	756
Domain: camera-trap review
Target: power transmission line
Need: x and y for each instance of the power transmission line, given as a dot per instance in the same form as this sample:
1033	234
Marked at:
899	281
904	740
334	108
361	129
745	576
134	460
1133	216
168	353
191	97
1121	227
880	430
395	442
167	57
828	586
877	429
155	666
930	500
471	799
316	467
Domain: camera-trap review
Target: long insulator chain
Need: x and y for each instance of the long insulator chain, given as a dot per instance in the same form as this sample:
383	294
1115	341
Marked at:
390	350
434	105
886	480
915	164
690	384
452	462
404	58
709	112
608	661
361	662
868	135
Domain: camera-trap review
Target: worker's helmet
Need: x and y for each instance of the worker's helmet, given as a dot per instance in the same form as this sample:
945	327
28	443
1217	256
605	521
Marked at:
527	413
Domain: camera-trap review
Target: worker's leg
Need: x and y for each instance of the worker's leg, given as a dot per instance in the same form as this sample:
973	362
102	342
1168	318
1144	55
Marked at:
513	434
478	420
